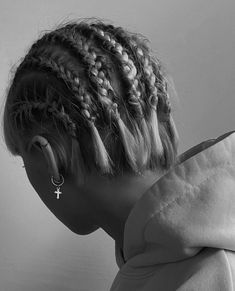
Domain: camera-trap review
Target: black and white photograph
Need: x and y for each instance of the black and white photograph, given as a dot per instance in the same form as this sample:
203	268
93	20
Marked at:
117	145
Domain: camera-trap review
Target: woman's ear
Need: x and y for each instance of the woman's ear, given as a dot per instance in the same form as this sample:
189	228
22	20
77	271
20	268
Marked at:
41	143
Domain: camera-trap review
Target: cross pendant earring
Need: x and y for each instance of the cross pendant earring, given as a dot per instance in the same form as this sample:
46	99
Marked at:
57	184
58	192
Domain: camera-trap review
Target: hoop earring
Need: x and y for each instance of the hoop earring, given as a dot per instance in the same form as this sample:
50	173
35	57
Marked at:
57	184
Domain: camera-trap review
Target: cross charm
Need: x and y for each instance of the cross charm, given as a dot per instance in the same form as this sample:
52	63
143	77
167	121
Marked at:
58	192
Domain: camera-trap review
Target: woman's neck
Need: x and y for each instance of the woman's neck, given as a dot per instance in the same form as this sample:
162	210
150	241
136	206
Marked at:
113	200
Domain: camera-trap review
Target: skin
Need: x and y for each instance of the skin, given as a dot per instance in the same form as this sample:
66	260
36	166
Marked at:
98	202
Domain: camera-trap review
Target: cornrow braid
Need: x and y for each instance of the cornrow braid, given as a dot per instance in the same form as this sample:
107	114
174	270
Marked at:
127	138
72	39
27	107
127	41
82	97
164	105
104	86
128	67
71	80
149	78
149	75
140	53
96	63
80	48
130	74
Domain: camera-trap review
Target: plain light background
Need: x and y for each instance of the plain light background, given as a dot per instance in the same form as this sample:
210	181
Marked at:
195	40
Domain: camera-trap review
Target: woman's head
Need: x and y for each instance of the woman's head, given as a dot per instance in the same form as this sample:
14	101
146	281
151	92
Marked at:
98	96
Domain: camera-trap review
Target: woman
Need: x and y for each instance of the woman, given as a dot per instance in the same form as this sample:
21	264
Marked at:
89	112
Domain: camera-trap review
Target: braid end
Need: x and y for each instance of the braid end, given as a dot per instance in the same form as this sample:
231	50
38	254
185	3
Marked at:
174	132
101	155
156	143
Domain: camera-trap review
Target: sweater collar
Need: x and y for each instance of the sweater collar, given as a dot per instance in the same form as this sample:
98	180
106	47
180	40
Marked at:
159	221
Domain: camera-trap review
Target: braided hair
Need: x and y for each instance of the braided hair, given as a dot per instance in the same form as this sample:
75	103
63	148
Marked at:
102	91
